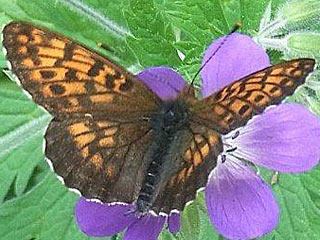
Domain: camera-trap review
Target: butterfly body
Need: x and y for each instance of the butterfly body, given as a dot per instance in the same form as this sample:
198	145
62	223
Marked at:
113	139
169	127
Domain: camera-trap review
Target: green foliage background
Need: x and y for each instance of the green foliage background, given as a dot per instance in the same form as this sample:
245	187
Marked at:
33	203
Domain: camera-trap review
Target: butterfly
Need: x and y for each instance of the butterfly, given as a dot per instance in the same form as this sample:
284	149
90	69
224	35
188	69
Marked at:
115	140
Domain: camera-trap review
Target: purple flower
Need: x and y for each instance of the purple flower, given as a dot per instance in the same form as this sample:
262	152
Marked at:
240	204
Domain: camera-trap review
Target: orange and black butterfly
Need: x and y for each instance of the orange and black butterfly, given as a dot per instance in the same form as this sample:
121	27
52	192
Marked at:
115	140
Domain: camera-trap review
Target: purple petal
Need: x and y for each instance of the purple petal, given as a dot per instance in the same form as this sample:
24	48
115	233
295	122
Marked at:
240	204
163	81
285	138
96	219
238	56
146	228
174	222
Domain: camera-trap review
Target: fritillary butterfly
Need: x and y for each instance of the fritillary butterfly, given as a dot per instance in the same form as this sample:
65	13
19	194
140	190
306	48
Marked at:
115	140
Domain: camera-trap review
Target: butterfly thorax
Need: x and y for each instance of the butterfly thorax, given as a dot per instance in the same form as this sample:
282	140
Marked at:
171	117
168	126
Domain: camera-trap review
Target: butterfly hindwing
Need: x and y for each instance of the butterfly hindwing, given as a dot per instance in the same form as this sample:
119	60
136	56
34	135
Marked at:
98	157
68	79
235	104
198	159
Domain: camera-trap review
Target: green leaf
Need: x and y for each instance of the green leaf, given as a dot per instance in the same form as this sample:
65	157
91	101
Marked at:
141	33
21	131
46	212
152	37
298	196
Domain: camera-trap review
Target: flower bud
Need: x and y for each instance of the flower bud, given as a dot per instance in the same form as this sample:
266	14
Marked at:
304	42
299	12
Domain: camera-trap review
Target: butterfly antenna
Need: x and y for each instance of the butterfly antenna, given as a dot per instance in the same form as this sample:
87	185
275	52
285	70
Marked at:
234	29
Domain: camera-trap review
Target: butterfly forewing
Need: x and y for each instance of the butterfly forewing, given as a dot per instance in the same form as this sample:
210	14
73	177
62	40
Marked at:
234	105
68	79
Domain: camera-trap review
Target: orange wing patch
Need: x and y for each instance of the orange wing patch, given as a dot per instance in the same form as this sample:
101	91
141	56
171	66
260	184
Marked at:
106	142
84	133
110	171
84	139
97	160
201	147
78	128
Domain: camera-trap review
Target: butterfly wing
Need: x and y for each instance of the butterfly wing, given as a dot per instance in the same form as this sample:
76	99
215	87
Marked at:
98	136
197	158
103	159
235	104
68	79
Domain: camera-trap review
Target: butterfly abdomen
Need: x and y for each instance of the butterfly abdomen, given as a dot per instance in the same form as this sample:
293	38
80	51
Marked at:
151	180
166	125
